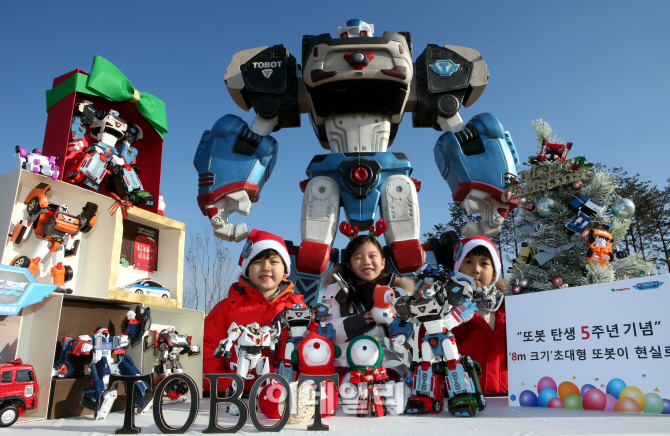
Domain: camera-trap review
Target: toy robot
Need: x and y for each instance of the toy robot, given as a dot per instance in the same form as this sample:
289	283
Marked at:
249	340
600	246
587	209
364	355
296	319
57	229
112	153
442	307
551	152
36	163
168	346
102	347
355	88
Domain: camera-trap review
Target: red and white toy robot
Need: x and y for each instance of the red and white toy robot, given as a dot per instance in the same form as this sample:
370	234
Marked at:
57	228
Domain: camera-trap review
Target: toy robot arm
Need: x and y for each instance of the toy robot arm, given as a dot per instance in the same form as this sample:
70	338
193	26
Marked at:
477	162
460	314
223	350
233	164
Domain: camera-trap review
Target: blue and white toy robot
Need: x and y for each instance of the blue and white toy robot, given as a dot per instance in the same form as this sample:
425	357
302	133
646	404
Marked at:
355	89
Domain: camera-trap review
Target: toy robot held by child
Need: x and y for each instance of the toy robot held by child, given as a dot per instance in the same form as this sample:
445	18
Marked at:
446	304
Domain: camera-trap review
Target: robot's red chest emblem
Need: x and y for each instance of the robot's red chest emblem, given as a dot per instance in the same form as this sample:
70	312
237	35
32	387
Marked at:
360	174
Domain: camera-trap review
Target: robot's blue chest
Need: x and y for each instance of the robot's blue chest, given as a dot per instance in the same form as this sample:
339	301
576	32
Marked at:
360	177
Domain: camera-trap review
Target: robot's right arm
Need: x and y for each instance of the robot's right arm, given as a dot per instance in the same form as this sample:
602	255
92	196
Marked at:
223	350
234	160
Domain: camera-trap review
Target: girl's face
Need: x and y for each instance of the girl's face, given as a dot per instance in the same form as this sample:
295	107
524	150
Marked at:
367	262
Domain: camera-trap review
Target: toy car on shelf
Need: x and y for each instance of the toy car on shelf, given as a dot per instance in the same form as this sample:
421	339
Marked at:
36	163
147	287
18	390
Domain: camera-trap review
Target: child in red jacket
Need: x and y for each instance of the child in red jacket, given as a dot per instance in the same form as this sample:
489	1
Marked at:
261	293
483	337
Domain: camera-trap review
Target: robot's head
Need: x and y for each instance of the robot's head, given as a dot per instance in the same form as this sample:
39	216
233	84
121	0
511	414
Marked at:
108	123
103	332
353	28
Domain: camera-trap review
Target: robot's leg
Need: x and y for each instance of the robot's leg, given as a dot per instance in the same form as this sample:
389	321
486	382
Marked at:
99	399
465	395
142	392
400	210
427	389
262	366
60	273
243	365
133	186
318	227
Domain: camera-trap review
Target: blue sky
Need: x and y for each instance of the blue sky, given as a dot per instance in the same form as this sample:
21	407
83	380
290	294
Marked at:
597	71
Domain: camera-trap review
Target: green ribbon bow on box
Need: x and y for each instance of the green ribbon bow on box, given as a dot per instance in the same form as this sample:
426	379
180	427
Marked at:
109	82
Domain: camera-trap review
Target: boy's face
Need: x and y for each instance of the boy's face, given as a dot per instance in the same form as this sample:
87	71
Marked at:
479	268
267	274
367	262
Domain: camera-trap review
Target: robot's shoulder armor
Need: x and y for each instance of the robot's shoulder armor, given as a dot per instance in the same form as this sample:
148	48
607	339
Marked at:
266	78
447	78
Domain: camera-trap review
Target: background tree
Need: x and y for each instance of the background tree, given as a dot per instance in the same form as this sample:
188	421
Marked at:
210	266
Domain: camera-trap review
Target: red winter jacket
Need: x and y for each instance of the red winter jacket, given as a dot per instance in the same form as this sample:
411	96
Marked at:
488	347
244	305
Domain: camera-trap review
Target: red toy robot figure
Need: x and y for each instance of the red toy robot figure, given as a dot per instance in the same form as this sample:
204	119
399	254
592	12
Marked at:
600	246
56	228
364	355
552	152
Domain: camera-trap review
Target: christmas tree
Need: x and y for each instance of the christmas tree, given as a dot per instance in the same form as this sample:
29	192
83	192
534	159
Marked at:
561	199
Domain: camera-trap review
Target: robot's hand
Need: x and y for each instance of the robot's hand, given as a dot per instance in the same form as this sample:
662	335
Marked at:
490	209
223	350
460	314
220	211
194	350
399	344
322	312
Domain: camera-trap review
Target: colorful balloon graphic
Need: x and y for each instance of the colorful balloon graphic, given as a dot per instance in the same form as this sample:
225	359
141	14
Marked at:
626	404
573	401
653	403
611	401
595	399
546	382
615	386
567	388
556	403
545	396
666	406
586	388
528	399
635	394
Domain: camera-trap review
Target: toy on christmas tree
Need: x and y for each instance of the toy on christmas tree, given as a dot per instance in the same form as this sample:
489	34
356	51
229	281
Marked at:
577	219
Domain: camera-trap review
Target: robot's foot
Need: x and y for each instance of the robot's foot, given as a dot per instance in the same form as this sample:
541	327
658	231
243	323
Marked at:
466	404
420	405
407	256
148	401
143	198
88	401
233	410
106	402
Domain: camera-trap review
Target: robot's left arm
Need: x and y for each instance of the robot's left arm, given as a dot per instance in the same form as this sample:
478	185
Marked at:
476	159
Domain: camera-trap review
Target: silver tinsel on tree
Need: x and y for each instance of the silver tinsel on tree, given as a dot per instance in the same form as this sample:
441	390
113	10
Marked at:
570	264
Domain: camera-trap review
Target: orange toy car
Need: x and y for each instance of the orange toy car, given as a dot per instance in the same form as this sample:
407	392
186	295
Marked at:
600	246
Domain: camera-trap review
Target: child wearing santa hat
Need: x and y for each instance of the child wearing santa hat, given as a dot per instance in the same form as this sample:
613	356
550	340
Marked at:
483	337
260	294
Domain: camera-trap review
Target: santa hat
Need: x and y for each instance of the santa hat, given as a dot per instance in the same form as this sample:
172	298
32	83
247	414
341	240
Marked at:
259	241
465	246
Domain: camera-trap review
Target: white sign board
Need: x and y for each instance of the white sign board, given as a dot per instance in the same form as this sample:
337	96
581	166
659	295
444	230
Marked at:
613	337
